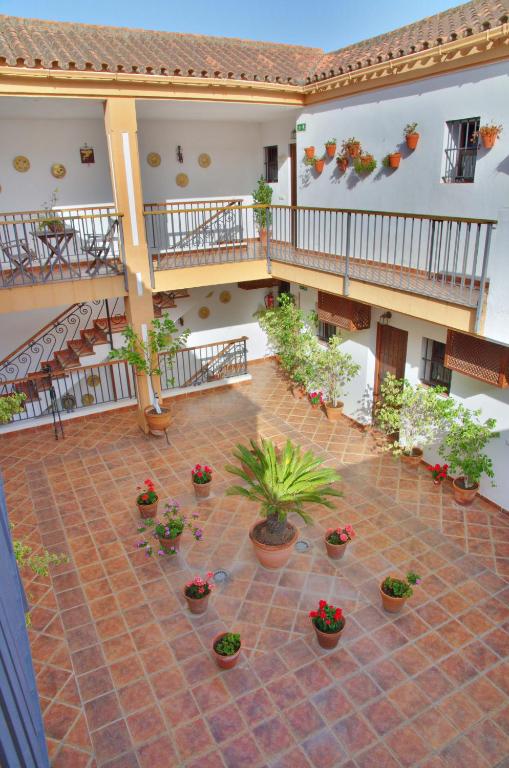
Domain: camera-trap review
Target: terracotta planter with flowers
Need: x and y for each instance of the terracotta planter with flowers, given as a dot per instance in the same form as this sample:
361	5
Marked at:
197	593
328	623
202	481
394	159
351	148
168	531
412	139
226	649
342	162
489	134
438	473
319	165
330	148
147	500
310	152
395	592
336	541
315	399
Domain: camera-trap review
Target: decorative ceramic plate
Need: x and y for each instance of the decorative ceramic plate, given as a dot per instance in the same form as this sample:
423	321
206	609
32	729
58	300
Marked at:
204	312
93	380
88	399
204	160
58	170
182	179
21	163
225	297
154	159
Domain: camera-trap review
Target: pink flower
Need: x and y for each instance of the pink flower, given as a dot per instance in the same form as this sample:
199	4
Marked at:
343	537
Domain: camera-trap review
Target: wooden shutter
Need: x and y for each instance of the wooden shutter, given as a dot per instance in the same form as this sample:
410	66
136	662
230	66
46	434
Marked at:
477	358
345	313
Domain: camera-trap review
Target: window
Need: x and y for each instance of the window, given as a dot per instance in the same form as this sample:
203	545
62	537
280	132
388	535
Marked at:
326	330
461	150
270	164
434	372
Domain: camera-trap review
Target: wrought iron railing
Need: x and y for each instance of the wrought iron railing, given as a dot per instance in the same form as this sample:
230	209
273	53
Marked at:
73	389
56	335
193	366
70	244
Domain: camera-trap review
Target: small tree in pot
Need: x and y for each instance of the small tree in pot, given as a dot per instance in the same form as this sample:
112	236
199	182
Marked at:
334	369
143	355
262	196
416	415
463	448
280	482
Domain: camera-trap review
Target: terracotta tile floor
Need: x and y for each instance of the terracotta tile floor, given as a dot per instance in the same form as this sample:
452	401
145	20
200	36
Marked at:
124	672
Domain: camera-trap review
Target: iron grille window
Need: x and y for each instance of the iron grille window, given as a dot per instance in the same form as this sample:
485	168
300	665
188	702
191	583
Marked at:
326	330
270	164
461	150
434	372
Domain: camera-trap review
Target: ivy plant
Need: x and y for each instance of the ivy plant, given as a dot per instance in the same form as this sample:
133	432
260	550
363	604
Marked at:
39	564
464	443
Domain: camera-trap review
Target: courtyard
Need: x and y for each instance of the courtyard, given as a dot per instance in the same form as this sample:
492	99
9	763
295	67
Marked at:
125	673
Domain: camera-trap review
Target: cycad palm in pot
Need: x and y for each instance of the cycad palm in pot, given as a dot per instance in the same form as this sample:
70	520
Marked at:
281	482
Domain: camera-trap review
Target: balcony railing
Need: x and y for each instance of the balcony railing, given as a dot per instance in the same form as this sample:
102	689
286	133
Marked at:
47	246
206	363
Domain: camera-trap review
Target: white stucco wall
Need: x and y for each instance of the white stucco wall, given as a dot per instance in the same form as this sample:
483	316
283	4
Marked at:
279	133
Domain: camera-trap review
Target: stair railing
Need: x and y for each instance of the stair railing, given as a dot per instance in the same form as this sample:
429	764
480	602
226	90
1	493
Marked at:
204	363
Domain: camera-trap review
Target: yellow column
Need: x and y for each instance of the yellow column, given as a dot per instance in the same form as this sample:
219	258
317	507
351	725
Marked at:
122	135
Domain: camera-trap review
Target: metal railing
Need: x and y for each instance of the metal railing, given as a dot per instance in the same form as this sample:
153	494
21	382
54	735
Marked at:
60	244
193	366
72	389
195	233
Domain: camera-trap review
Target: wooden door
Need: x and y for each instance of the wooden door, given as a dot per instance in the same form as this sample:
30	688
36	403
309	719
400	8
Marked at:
293	192
391	344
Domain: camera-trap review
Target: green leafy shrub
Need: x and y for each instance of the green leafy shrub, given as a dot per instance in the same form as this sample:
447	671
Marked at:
262	195
464	443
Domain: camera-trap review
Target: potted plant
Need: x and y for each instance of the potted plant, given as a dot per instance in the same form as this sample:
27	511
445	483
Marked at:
197	593
411	135
262	197
489	133
168	531
280	484
463	448
330	147
309	152
412	417
395	592
202	480
316	399
328	623
351	147
52	221
342	162
336	541
226	649
147	500
319	164
290	332
143	355
438	473
334	369
364	164
392	160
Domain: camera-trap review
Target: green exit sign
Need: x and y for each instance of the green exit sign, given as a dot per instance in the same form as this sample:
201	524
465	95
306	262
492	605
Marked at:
301	127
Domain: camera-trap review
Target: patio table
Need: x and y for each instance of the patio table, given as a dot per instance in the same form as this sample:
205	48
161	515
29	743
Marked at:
57	243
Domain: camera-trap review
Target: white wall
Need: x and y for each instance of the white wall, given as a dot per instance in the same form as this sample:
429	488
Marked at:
279	133
47	141
17	327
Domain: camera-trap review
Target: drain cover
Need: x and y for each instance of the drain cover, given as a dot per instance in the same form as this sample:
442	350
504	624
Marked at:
302	545
221	576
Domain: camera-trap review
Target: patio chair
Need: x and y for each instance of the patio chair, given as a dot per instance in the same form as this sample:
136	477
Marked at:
18	254
100	247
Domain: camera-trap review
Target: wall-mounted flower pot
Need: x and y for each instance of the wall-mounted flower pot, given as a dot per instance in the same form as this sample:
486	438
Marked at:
330	149
462	495
394	160
342	164
310	152
354	150
488	140
319	165
412	139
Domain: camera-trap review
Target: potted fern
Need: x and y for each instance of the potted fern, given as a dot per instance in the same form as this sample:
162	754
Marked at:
281	483
463	449
262	196
143	355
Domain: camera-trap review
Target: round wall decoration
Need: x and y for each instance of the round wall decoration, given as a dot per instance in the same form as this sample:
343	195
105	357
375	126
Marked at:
154	159
88	398
21	163
58	170
182	179
225	297
93	380
204	312
204	160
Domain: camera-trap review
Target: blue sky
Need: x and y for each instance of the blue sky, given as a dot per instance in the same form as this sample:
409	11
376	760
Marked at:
327	25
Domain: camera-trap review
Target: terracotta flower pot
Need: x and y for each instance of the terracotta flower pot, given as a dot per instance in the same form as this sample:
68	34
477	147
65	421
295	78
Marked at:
328	639
330	149
464	496
354	150
157	422
335	551
310	152
366	159
334	413
169	543
202	490
412	459
488	140
394	159
272	555
263	236
197	605
342	164
225	662
391	604
319	165
412	139
148	510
